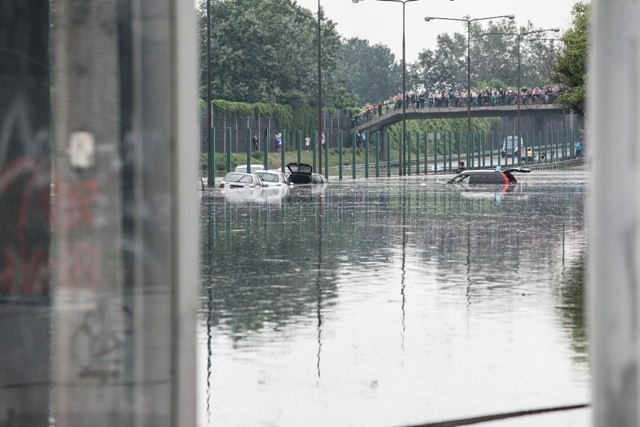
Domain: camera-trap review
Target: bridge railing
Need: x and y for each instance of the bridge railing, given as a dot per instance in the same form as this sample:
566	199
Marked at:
504	100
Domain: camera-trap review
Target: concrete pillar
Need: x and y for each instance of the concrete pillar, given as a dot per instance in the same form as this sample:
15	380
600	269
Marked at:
126	213
614	211
25	126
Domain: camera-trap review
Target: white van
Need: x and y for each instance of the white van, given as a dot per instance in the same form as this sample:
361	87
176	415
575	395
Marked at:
254	168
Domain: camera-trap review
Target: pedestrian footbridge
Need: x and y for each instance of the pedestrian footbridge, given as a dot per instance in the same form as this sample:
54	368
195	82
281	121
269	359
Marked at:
384	121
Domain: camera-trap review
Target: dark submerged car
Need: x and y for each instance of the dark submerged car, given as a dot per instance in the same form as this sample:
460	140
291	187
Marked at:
302	173
487	177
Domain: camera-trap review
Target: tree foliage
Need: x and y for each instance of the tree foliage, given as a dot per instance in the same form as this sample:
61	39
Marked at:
368	71
265	51
570	68
493	55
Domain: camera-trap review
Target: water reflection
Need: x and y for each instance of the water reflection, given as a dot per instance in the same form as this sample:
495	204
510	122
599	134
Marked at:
405	292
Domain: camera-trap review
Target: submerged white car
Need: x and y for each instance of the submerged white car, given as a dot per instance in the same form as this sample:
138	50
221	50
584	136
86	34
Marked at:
244	168
272	178
240	180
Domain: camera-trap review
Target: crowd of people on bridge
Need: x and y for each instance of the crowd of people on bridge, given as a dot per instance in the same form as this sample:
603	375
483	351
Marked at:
486	97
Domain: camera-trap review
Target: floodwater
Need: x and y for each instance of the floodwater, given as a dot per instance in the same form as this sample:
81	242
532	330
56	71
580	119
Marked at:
394	302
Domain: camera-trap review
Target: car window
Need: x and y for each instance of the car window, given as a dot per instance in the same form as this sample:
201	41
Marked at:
487	178
233	177
246	179
268	177
460	179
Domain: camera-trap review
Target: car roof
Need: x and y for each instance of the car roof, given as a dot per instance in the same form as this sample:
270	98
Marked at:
236	175
508	172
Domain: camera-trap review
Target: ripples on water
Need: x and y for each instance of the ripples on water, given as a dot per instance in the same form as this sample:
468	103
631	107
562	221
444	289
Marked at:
392	302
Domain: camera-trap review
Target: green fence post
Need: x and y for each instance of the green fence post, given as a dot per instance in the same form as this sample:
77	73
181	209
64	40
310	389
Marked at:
445	143
228	148
401	142
499	148
248	150
299	134
450	138
467	151
518	151
572	142
211	175
435	152
314	150
417	153
473	140
561	143
325	151
388	153
340	148
459	144
366	155
491	145
378	154
426	152
283	148
265	150
353	155
444	152
484	149
408	156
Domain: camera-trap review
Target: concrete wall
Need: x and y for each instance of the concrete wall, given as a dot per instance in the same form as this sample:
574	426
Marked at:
125	216
25	135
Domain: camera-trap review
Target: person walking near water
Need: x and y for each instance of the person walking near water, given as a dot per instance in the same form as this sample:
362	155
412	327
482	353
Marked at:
307	143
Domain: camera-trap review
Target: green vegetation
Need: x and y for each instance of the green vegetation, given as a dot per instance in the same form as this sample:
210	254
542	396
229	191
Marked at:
264	55
265	51
570	67
493	58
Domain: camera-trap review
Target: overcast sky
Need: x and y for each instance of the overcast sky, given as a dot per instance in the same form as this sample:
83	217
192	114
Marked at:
381	21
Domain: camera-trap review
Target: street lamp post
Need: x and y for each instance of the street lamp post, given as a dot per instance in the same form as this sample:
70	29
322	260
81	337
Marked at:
403	166
319	138
468	21
210	154
519	36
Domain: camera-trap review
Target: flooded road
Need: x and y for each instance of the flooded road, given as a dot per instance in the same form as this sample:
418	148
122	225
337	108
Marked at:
393	302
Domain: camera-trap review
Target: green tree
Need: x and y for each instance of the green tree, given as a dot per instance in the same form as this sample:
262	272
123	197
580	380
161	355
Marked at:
493	58
570	68
444	68
370	72
265	51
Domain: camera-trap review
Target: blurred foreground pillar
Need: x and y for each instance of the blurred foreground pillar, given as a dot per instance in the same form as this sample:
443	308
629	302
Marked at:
614	211
125	223
25	133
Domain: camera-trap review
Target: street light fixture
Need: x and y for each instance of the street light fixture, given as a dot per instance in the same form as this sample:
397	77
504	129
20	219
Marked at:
403	166
468	21
519	36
